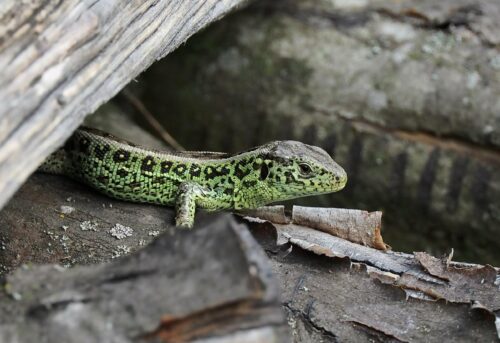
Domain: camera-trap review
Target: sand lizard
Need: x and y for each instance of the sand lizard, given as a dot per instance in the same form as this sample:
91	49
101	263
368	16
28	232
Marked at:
276	171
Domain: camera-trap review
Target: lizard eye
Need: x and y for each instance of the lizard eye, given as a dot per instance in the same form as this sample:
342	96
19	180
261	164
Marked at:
305	168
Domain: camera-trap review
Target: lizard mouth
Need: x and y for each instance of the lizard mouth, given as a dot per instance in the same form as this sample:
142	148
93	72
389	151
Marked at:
340	182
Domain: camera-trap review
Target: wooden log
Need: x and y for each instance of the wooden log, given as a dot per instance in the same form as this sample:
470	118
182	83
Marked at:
181	288
403	94
323	295
325	298
60	60
350	292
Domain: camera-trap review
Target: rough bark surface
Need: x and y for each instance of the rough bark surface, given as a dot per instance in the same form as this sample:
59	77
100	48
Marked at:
60	60
334	300
182	287
404	94
355	293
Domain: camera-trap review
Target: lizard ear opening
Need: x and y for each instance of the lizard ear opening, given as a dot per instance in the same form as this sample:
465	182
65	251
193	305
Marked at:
264	171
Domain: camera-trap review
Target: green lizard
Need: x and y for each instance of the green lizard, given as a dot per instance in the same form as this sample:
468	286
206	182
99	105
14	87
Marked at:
272	172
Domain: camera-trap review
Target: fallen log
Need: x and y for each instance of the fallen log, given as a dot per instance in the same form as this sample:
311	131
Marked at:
389	295
182	287
350	292
402	93
333	289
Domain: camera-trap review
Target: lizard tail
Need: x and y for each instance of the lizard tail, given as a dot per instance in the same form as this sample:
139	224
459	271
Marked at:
56	163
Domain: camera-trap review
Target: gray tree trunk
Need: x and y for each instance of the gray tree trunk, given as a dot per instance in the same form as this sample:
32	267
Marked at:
403	94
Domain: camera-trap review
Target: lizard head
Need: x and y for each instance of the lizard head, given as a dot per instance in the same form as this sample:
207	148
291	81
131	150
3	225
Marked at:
290	169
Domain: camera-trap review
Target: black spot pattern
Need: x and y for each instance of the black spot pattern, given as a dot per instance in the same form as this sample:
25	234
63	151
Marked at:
209	172
148	164
121	155
122	172
180	169
195	170
455	183
241	170
212	173
249	183
480	187
83	145
165	166
101	151
398	175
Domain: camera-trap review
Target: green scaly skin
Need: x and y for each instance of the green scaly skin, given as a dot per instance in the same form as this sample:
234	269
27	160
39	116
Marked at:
272	172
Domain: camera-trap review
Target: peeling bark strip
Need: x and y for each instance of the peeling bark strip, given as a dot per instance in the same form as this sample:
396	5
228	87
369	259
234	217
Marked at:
60	60
421	276
356	226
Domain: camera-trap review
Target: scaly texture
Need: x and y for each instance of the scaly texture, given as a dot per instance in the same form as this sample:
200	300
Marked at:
272	172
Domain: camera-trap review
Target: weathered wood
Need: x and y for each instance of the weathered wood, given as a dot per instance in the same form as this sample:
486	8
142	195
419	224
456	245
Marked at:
324	296
60	60
354	293
325	299
181	288
356	226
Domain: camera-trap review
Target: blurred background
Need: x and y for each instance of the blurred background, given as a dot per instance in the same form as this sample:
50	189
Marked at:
403	94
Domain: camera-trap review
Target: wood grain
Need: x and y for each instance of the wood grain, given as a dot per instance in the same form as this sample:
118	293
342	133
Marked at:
60	60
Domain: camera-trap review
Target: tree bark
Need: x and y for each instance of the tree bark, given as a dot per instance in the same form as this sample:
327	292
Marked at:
60	60
403	94
180	288
350	293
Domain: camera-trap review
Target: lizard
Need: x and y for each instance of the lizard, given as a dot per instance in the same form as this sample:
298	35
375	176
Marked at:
186	180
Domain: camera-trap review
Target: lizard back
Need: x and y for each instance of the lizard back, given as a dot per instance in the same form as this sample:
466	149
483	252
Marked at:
125	171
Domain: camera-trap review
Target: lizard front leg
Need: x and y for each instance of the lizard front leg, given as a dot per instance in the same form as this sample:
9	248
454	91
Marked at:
191	195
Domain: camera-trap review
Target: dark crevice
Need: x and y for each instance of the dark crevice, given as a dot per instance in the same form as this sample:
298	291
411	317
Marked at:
381	336
307	319
461	17
42	310
129	276
488	153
